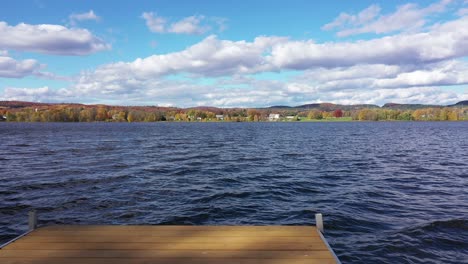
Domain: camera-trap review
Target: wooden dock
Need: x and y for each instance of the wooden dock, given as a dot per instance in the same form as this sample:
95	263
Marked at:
169	244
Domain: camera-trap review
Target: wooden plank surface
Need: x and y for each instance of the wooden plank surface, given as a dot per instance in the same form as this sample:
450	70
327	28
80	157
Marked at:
164	261
249	254
152	239
174	227
158	233
169	244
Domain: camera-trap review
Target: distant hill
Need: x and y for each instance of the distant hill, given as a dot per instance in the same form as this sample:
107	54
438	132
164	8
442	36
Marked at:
326	107
207	108
461	103
307	106
280	107
317	106
409	106
21	104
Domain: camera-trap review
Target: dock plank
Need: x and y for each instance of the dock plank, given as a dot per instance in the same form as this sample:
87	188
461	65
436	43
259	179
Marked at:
231	254
169	244
154	239
221	232
280	246
164	261
174	227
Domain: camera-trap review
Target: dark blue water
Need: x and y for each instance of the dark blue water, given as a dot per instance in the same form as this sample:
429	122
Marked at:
390	192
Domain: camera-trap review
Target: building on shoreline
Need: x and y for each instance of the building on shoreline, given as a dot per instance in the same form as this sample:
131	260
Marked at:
273	117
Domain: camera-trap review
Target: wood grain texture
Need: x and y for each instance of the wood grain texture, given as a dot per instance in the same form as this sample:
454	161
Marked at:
164	261
169	244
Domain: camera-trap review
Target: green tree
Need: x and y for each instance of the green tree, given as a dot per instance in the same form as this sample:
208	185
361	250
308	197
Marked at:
11	117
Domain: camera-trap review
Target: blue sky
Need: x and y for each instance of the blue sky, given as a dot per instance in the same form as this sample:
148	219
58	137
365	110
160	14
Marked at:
234	54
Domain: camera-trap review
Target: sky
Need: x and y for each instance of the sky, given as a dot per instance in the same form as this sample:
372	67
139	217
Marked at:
245	53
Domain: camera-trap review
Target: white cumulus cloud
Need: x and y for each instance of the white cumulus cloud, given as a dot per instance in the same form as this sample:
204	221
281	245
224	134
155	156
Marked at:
210	57
154	23
427	66
50	39
41	94
330	70
407	17
192	25
11	68
442	42
373	77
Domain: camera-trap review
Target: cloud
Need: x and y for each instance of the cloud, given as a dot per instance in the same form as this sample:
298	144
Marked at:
381	85
374	77
50	39
11	68
363	17
42	94
189	25
417	95
242	92
409	67
215	57
462	12
375	84
87	16
329	70
407	17
442	42
210	57
192	25
154	23
247	91
443	74
3	52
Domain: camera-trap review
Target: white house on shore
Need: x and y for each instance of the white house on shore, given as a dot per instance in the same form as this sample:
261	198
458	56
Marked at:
220	117
273	117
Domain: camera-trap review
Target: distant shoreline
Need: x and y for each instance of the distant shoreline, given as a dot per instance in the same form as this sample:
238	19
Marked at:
11	111
227	122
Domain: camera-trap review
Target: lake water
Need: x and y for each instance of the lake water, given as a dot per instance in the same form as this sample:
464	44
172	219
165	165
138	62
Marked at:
390	192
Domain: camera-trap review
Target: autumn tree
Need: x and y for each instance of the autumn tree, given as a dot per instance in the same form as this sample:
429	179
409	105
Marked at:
101	114
326	114
367	115
252	115
338	113
135	116
453	115
314	114
88	114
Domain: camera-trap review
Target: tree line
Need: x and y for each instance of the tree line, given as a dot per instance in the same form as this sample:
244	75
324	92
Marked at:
73	113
